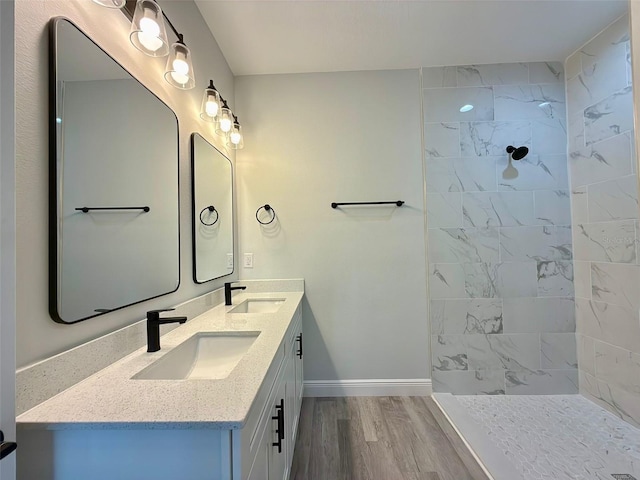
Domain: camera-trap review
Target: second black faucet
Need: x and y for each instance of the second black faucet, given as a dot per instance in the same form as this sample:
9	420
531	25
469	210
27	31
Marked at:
227	292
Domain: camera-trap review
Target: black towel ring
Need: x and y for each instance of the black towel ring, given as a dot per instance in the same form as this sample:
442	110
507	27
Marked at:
267	208
212	209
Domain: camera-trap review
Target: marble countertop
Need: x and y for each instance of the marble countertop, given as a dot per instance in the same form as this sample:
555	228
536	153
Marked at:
110	399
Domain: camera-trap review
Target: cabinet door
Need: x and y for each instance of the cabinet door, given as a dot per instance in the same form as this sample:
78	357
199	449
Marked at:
276	434
260	467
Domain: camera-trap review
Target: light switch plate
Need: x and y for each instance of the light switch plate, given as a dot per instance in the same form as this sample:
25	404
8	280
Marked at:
248	260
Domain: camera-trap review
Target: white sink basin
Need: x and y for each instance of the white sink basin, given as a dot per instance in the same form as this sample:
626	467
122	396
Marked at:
204	356
258	305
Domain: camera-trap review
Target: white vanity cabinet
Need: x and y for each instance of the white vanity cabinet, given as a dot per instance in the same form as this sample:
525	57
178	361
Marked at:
261	450
266	446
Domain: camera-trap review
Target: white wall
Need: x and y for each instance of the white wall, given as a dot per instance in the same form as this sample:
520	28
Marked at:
38	336
313	139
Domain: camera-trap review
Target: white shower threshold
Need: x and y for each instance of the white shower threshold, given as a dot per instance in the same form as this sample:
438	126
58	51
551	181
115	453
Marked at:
544	437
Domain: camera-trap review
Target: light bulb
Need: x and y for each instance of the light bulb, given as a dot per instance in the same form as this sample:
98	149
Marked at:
149	34
235	137
225	124
211	107
180	72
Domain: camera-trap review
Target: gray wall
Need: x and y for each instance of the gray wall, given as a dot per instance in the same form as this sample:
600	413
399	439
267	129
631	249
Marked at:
314	139
605	217
38	337
501	276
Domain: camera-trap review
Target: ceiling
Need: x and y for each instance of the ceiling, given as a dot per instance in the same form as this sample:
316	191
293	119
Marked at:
295	36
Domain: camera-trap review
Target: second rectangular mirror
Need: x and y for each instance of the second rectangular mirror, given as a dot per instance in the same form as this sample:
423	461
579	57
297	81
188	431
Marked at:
212	211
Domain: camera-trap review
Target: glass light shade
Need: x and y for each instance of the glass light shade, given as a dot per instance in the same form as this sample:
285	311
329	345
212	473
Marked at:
225	121
111	3
210	104
179	70
235	139
148	33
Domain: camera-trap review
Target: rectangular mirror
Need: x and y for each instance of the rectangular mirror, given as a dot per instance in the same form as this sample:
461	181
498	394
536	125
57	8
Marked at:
114	218
212	211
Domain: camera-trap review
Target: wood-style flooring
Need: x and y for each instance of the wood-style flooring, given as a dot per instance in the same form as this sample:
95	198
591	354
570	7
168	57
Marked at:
379	438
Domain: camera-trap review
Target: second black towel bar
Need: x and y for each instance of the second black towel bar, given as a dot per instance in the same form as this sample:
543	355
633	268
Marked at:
398	203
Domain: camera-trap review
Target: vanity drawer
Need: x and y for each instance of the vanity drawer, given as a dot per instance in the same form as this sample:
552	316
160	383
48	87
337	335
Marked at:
248	437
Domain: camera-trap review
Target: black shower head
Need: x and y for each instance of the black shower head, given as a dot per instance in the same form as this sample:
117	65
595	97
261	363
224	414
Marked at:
517	153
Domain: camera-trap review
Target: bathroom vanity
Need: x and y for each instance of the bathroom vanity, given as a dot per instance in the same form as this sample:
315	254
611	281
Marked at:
220	400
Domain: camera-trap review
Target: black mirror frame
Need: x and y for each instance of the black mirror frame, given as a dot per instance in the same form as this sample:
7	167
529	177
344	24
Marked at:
194	214
53	171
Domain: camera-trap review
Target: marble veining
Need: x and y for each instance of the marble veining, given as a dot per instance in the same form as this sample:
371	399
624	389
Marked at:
526	102
449	353
614	324
543	243
546	72
511	352
496	74
555	279
549	135
552	207
612	116
617	400
504	275
614	199
605	160
536	172
442	139
555	437
481	139
606	242
616	283
484	382
458	245
504	209
466	316
461	175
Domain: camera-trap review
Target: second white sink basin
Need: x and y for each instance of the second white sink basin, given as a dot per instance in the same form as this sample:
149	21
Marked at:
258	305
204	356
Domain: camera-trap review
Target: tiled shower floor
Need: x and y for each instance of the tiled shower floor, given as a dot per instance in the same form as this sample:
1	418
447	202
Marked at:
554	437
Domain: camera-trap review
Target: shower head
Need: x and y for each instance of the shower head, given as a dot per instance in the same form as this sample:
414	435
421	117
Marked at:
517	153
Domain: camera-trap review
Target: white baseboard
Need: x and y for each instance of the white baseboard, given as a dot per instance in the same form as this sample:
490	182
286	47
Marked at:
415	387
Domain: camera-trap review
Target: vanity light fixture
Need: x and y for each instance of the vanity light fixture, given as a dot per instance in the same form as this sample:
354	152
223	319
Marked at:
224	122
148	33
235	135
111	3
179	70
210	103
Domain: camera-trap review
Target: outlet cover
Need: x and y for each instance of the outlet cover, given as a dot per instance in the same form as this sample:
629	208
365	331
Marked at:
248	260
229	260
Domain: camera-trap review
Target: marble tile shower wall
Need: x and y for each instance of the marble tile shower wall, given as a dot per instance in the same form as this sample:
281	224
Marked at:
602	167
500	252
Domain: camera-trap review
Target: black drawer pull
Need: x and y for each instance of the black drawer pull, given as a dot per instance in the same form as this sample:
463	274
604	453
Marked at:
6	448
280	430
299	339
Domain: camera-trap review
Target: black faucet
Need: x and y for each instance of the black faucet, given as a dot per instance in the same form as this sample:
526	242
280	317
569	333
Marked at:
153	327
227	292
